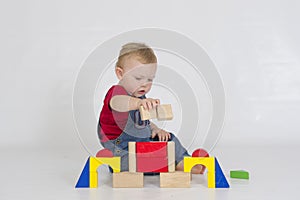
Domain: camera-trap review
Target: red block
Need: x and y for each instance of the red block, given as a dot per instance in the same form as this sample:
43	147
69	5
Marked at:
200	153
151	157
104	153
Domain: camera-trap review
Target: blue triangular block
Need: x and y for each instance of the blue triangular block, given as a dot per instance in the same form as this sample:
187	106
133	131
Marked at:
84	179
221	181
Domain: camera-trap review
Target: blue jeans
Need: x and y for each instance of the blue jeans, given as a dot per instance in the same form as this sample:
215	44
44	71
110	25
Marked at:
119	147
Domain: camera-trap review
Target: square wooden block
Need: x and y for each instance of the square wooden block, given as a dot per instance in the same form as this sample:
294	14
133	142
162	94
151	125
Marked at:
164	112
128	180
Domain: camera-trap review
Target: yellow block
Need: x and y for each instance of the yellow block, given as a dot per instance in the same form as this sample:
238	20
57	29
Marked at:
95	162
208	162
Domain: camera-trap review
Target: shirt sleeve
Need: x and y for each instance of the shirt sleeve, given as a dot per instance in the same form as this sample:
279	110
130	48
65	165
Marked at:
112	123
114	91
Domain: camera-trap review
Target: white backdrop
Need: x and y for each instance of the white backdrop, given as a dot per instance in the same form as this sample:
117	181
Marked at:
254	44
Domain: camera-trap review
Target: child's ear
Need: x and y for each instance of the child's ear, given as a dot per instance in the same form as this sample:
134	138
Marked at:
119	72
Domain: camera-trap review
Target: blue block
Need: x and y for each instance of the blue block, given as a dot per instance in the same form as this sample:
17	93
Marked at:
221	181
84	179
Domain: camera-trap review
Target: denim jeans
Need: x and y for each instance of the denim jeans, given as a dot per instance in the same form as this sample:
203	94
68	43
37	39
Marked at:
119	147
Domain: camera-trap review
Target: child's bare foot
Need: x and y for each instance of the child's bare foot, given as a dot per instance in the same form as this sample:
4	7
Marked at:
179	166
197	169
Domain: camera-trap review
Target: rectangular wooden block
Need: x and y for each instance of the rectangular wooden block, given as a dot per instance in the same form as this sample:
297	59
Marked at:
177	179
128	180
152	149
171	156
147	114
155	164
164	112
132	156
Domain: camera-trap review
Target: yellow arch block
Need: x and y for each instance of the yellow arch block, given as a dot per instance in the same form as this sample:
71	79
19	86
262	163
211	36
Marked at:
208	162
95	162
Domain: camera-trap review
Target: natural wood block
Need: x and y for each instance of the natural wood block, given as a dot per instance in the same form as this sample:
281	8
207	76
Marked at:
171	156
128	180
147	114
177	179
132	156
164	112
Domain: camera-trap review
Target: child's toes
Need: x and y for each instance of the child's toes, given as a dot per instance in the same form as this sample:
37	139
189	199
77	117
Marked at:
202	170
198	169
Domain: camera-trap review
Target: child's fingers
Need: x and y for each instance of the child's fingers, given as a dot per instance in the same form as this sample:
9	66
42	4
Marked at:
168	137
149	104
165	138
144	104
153	134
154	104
157	101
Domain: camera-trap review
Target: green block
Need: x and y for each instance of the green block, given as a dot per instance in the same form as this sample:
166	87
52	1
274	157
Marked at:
241	174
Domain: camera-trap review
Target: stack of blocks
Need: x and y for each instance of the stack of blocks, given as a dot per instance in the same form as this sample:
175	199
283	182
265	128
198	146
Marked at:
157	157
151	157
89	175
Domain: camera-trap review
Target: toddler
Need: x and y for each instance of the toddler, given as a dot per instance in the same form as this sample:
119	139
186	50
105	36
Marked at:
120	120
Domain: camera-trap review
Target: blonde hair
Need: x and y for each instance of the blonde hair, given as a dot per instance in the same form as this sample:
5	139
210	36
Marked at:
141	51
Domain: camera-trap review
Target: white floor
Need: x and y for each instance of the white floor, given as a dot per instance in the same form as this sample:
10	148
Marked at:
52	173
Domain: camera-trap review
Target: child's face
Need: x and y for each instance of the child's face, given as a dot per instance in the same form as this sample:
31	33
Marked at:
136	77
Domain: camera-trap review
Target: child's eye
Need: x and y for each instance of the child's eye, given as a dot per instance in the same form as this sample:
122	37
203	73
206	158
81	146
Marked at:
138	79
150	80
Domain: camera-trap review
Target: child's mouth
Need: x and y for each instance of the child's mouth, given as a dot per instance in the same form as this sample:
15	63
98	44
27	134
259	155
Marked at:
141	91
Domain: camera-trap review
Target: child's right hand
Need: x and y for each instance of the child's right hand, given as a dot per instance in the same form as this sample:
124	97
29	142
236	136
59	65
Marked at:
148	103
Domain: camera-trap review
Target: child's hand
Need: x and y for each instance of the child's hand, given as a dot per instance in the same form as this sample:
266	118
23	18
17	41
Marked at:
162	134
148	103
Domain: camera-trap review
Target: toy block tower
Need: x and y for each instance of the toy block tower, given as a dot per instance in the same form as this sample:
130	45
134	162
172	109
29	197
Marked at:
151	156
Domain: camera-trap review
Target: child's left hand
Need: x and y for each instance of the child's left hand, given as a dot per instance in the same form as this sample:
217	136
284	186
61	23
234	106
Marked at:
161	134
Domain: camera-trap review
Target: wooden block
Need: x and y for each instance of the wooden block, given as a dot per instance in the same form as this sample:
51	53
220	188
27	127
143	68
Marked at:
132	156
164	112
128	180
241	174
105	153
177	179
151	157
208	162
147	114
155	164
151	149
171	156
93	179
95	162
